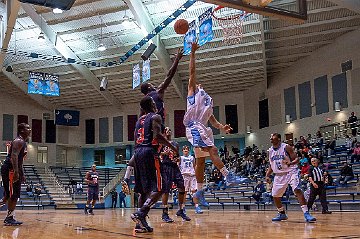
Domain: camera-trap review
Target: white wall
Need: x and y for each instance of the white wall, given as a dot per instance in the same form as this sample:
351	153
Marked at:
325	61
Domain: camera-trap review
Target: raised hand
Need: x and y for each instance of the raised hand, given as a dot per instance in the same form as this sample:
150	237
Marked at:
194	47
227	128
179	53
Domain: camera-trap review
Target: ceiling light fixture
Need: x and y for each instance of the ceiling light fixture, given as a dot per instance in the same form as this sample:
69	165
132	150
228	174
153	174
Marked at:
57	11
102	47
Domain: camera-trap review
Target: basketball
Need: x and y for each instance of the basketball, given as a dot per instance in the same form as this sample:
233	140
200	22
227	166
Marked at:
181	26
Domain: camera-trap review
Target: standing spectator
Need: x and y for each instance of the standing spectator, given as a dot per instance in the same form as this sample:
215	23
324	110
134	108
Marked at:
317	186
258	191
356	153
353	123
122	197
114	196
346	174
319	140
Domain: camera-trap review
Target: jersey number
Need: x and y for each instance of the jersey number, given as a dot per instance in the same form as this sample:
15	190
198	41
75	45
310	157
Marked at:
140	137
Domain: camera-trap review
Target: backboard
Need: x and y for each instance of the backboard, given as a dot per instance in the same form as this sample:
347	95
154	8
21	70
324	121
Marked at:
282	9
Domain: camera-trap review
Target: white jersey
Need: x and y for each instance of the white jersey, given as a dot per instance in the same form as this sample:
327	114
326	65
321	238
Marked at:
187	165
199	108
276	158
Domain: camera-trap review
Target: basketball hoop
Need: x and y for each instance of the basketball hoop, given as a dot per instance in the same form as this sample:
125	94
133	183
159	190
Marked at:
231	22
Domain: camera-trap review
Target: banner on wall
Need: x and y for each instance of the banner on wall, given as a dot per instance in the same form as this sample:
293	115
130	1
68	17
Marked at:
67	117
136	76
190	37
146	70
205	28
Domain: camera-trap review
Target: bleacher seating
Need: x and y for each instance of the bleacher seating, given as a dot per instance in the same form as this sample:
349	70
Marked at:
340	198
66	174
36	201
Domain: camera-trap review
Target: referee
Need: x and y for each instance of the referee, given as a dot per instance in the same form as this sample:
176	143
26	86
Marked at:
317	186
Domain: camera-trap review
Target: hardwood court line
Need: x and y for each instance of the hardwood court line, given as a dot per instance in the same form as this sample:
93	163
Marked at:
92	229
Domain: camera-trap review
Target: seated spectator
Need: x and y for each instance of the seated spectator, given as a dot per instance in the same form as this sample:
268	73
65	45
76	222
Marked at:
258	191
37	190
346	174
29	190
356	153
328	180
305	169
267	195
79	188
219	179
305	159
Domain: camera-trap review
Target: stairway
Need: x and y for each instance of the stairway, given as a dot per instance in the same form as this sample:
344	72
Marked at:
56	190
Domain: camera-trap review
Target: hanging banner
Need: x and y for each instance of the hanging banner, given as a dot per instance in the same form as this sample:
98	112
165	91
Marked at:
36	82
190	37
136	76
205	29
146	70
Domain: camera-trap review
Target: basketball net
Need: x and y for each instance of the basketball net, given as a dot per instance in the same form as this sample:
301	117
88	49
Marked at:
231	22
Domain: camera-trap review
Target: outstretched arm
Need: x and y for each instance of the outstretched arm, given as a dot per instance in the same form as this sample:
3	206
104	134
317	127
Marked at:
156	128
162	87
216	124
192	78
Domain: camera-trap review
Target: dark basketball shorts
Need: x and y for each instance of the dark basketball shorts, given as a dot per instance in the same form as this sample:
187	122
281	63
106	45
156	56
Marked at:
170	173
11	189
147	171
93	193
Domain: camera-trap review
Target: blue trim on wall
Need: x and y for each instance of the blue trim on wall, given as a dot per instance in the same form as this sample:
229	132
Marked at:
88	156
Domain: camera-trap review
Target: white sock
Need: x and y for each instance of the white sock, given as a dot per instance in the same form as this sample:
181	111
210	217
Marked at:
200	186
304	208
11	213
128	172
196	205
224	171
182	206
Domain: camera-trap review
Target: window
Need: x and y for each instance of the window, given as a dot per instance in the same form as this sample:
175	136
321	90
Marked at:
99	157
42	155
120	156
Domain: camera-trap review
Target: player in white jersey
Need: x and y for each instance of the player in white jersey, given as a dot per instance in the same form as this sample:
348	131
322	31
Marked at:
187	168
283	163
199	113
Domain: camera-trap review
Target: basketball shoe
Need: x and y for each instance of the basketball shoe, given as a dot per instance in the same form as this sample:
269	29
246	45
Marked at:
309	218
280	217
139	218
198	210
200	195
10	221
181	213
165	216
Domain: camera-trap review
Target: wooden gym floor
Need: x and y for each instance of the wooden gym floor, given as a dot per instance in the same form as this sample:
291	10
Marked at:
116	223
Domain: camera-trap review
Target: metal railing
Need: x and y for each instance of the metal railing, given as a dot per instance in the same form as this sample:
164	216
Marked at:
59	187
113	182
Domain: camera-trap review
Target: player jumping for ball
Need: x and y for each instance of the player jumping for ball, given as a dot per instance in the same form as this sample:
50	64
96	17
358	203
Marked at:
158	96
283	163
199	113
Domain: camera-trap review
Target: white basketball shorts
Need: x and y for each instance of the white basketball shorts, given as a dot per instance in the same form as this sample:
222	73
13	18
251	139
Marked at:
190	183
281	182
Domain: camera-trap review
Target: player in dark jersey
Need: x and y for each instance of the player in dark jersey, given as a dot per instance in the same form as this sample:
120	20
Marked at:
12	173
158	96
92	179
148	181
170	173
